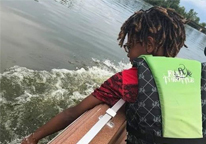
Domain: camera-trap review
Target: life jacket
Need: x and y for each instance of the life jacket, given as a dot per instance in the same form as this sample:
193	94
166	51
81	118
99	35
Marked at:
171	103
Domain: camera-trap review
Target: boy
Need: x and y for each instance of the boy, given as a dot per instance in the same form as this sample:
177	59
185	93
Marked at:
156	31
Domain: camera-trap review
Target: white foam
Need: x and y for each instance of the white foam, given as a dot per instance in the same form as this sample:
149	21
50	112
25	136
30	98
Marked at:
56	89
2	100
26	97
77	96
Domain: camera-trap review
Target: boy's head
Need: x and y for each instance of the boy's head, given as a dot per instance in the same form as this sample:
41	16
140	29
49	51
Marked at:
156	31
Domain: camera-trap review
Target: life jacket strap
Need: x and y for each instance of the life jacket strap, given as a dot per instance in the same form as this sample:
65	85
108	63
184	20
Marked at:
163	140
151	138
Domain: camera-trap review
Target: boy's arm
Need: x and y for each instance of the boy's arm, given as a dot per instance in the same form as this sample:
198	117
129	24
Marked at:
62	120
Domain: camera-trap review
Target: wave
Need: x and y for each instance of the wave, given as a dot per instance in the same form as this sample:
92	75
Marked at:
29	98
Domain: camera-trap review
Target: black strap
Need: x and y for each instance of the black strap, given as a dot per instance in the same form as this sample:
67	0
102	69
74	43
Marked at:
161	140
164	140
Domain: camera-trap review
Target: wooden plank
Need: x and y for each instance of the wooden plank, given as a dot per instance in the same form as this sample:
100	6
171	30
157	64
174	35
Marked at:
108	135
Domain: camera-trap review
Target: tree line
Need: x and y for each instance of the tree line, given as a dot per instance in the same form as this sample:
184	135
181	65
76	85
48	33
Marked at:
174	4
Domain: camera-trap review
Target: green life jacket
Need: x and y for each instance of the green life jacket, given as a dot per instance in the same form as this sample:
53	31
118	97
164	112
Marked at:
170	106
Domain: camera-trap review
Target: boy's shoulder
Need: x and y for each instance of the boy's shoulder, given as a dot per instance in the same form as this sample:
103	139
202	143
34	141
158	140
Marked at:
129	76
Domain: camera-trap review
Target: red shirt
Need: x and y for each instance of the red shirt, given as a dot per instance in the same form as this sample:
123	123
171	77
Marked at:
121	85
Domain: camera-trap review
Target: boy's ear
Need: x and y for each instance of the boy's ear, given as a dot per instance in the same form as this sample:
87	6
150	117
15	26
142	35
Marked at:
150	45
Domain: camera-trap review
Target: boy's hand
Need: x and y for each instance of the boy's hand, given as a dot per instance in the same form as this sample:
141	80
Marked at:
62	120
29	140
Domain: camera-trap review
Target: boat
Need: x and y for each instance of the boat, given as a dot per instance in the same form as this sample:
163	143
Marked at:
114	132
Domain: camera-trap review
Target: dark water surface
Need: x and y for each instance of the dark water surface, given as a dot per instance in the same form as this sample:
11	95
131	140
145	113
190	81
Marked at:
46	34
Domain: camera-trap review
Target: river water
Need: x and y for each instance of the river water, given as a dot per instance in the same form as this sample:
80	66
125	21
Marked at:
55	52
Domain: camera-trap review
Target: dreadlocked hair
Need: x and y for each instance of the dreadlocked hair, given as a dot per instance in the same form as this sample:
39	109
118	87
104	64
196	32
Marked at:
165	26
